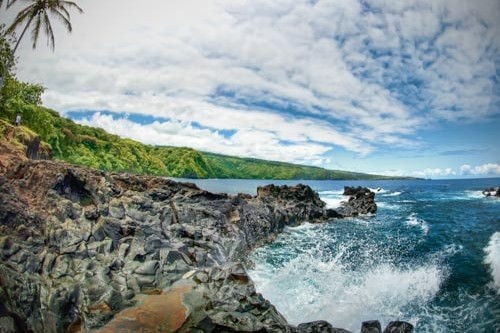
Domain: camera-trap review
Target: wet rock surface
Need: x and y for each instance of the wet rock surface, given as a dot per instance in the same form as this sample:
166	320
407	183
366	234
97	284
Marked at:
82	250
361	202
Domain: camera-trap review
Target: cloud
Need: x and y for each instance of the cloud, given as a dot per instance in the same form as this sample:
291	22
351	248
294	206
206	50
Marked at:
303	76
465	170
488	169
259	144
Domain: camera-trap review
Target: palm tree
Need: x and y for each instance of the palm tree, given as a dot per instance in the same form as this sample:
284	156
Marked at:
38	13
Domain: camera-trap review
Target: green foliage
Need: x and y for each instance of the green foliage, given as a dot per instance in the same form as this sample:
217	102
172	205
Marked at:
6	57
93	147
20	97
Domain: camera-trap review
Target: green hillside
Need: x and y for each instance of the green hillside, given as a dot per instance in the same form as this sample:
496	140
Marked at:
94	147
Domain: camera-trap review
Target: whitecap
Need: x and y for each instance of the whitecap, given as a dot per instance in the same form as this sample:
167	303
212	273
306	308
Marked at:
415	221
387	205
493	258
378	190
393	194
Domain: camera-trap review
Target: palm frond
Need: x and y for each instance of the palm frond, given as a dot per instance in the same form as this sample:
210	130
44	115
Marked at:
70	5
36	30
9	3
21	17
64	20
63	11
48	31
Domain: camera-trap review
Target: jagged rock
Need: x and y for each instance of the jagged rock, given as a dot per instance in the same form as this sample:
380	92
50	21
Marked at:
81	249
319	326
399	327
371	326
361	201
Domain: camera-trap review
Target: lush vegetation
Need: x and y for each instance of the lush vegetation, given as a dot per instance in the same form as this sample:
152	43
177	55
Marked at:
94	147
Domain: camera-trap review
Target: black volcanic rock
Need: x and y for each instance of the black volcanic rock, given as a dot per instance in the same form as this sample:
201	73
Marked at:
319	326
399	327
371	326
81	249
361	201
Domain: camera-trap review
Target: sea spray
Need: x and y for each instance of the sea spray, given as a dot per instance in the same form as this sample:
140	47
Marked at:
414	221
344	282
493	258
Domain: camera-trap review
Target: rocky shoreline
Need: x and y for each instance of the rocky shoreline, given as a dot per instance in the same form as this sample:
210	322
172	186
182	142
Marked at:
86	251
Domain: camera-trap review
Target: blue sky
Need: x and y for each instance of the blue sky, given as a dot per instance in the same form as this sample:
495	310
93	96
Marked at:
388	87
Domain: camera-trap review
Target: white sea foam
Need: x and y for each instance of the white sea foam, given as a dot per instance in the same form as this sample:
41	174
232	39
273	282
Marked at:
414	221
329	192
387	205
310	288
493	258
378	190
393	194
333	202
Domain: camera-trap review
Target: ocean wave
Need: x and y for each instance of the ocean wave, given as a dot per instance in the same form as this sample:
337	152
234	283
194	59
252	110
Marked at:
493	258
387	205
378	190
414	221
330	289
474	194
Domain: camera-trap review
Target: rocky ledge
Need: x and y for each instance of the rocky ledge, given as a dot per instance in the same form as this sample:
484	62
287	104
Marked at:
87	251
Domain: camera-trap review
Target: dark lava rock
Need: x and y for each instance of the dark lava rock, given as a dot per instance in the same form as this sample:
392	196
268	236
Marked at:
80	247
319	326
399	327
361	202
371	326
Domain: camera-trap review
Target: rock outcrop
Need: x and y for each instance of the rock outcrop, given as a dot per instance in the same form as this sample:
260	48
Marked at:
83	250
492	191
361	201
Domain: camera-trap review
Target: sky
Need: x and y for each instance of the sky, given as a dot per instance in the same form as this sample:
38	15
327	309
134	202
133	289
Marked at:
381	86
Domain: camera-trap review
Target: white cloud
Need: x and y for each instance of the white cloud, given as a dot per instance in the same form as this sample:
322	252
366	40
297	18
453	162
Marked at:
259	144
465	170
488	169
301	76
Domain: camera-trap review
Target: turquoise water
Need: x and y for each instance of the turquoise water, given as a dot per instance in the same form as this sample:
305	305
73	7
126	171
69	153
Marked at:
430	256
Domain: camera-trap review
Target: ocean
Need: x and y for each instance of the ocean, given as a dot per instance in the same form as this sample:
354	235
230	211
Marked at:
429	256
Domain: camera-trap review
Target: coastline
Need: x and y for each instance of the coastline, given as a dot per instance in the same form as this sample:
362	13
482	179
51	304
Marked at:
79	246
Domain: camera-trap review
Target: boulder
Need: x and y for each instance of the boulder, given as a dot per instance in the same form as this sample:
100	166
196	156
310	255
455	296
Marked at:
399	327
319	326
361	202
371	326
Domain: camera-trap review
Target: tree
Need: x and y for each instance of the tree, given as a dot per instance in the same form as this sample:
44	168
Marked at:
37	14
